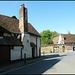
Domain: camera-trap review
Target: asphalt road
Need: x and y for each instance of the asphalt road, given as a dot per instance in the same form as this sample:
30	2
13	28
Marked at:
63	63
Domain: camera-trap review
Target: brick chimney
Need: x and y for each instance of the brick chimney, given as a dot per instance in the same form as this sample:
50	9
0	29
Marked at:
23	24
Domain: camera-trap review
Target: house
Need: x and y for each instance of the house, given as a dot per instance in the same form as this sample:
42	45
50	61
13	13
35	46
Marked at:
67	41
55	40
6	44
19	37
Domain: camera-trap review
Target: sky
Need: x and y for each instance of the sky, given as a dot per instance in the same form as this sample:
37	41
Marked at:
56	16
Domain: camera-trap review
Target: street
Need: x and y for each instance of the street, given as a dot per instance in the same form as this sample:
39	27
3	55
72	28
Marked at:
63	63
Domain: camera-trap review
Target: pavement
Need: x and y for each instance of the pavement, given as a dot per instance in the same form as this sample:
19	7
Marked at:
17	64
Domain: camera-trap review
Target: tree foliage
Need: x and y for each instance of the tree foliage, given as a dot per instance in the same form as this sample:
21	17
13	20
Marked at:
54	34
47	37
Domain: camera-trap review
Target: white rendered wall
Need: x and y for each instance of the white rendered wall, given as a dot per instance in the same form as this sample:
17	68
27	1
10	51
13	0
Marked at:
59	40
33	40
27	49
16	53
38	45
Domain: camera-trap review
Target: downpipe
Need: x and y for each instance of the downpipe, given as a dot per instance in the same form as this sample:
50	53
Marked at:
21	51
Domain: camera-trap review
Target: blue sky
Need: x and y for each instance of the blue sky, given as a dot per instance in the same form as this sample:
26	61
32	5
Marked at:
56	16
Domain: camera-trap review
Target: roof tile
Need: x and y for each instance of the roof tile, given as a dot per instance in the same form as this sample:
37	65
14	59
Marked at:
12	25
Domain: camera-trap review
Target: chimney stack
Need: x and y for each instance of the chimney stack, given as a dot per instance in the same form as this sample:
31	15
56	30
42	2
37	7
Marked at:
23	22
68	32
22	5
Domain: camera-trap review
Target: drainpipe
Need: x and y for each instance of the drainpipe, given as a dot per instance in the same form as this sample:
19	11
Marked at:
36	47
40	49
21	51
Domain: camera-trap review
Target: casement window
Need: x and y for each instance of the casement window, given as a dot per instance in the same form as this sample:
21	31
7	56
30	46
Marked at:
70	48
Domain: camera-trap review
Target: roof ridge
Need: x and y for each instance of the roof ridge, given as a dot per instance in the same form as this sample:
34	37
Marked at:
12	25
9	17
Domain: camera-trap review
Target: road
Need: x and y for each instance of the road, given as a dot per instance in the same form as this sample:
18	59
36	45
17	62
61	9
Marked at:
63	63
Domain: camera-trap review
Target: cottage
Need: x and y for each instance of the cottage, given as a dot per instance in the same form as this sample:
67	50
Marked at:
67	41
6	44
19	37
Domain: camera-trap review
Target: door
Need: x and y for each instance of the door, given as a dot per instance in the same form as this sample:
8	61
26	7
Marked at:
4	54
73	48
33	52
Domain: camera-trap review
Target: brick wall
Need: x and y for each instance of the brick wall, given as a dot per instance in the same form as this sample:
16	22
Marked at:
50	48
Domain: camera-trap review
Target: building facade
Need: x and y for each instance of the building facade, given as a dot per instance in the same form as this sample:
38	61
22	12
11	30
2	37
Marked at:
67	41
22	31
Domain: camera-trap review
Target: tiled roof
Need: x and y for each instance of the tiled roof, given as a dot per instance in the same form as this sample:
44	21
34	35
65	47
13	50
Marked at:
10	41
55	39
9	24
69	38
12	25
32	30
3	30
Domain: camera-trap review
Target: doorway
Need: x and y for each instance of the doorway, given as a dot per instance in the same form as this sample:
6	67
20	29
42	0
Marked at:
4	54
33	52
73	48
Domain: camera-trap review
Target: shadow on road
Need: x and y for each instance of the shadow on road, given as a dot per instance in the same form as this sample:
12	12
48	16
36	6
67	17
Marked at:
53	56
38	67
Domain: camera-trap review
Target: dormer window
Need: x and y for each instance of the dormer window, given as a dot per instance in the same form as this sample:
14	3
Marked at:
64	38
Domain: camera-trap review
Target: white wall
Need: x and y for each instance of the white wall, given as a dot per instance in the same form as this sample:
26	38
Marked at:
33	39
59	40
38	45
16	53
27	48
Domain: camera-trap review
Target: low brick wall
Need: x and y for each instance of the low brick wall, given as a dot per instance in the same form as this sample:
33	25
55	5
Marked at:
47	49
50	48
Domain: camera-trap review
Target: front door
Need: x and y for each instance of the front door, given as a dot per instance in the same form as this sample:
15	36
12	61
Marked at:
4	54
73	48
33	52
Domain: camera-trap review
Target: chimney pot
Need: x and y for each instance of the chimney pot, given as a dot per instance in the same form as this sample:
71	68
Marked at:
68	32
22	5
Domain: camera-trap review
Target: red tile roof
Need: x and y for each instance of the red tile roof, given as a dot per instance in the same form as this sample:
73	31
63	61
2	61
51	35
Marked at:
69	38
55	39
12	25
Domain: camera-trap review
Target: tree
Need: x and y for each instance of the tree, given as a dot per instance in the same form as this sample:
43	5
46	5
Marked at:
46	37
54	34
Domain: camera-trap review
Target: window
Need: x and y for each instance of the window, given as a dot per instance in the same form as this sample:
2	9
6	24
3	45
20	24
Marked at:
70	48
12	47
27	41
6	34
64	38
